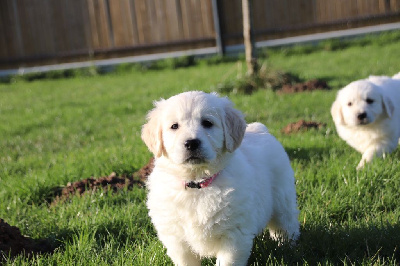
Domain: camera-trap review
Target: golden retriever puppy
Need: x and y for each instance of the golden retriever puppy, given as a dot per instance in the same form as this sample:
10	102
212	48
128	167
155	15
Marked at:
217	182
367	116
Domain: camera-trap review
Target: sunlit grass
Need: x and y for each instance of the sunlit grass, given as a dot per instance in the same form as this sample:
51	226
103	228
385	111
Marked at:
57	131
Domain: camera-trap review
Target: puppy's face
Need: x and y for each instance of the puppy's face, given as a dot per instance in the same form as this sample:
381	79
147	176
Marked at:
193	128
192	131
360	103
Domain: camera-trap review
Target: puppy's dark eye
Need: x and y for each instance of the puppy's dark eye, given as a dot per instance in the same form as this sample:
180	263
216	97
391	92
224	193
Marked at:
206	124
369	100
349	104
175	126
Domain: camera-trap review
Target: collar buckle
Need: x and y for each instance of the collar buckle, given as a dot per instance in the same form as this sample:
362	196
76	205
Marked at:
202	184
193	184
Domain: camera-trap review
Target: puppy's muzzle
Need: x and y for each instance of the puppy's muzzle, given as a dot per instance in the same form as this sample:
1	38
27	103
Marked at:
194	153
362	118
192	144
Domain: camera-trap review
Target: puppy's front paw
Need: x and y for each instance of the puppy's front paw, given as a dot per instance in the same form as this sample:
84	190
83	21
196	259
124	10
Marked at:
361	164
368	156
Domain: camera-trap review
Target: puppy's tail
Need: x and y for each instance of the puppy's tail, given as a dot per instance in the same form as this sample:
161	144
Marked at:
397	76
257	128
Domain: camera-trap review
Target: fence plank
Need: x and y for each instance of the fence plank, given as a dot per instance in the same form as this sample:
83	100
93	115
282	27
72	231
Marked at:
11	45
99	26
121	20
4	51
141	17
173	20
207	18
395	5
231	24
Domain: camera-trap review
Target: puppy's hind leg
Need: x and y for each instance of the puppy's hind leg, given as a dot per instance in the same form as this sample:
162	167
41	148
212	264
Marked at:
284	224
181	254
235	251
284	227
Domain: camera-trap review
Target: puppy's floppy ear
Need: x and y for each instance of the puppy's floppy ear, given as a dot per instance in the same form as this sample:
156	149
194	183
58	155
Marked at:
234	128
388	105
152	133
336	112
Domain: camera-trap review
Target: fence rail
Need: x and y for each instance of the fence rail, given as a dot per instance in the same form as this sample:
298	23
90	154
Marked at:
48	31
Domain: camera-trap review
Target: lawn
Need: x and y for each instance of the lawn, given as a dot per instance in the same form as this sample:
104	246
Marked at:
55	131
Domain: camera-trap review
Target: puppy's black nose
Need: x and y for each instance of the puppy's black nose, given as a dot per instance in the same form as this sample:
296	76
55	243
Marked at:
192	144
362	116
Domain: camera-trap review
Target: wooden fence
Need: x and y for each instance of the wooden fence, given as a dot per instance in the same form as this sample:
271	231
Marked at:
54	31
282	18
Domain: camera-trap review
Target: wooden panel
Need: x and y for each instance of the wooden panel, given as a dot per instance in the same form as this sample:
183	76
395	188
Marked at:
207	18
61	29
11	44
121	21
192	18
152	20
68	26
161	30
141	17
173	20
135	34
231	16
3	25
99	24
394	5
27	26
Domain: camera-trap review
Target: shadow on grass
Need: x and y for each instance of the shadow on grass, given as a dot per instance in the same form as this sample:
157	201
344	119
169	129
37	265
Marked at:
317	244
332	245
13	243
306	154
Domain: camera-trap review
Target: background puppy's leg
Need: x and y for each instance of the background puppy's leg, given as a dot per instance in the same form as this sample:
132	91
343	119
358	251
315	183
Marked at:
370	153
375	151
366	158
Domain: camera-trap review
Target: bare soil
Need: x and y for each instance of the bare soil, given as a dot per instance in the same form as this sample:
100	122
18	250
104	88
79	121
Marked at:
302	125
310	85
112	182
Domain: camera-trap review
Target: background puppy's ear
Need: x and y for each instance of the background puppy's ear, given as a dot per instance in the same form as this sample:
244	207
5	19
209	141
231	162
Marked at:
388	105
234	128
152	133
336	112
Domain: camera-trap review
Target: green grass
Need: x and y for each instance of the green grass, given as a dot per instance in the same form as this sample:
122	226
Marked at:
55	131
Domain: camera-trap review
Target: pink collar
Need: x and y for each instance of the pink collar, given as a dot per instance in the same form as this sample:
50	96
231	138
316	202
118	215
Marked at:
205	183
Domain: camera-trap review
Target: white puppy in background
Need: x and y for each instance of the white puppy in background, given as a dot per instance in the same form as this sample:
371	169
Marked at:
367	115
217	182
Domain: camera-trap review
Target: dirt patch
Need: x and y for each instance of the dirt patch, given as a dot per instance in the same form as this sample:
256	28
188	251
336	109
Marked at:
13	243
310	85
112	182
145	171
302	125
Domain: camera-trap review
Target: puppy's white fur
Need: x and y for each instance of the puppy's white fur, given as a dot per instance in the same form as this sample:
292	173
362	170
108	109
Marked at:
367	115
255	186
